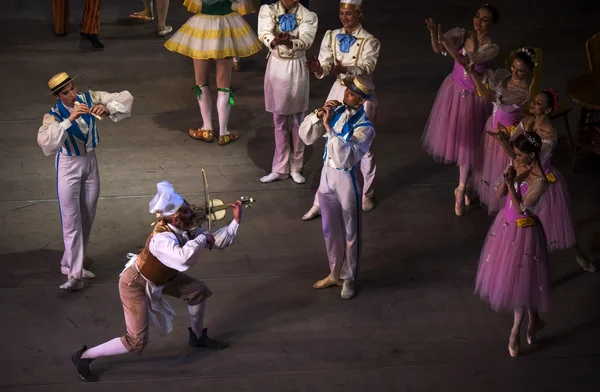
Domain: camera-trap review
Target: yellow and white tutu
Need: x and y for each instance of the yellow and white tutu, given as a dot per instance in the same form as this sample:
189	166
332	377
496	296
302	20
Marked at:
205	37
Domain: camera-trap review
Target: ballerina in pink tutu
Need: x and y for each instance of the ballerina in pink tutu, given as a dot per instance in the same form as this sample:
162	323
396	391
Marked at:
508	91
458	115
555	210
513	271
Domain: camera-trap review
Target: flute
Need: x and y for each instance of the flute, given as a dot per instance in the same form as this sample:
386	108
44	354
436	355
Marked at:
95	115
335	105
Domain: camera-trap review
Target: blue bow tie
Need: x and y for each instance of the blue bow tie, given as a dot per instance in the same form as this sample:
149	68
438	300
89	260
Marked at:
287	22
346	41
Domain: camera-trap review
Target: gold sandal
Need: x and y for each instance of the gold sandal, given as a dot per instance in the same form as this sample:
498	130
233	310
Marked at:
142	15
206	135
227	139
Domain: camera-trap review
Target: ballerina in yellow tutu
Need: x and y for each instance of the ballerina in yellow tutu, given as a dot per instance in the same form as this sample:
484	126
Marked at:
217	32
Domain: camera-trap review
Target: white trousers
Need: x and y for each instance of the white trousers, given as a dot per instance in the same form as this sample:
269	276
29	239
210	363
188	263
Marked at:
368	166
78	188
341	210
289	148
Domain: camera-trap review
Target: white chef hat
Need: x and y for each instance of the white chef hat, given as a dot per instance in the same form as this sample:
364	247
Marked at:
167	201
351	4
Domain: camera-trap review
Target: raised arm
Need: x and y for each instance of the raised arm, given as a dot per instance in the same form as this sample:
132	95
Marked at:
52	134
346	154
224	237
166	248
118	104
311	129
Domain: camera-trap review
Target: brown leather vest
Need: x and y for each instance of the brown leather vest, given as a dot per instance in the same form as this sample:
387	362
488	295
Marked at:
149	266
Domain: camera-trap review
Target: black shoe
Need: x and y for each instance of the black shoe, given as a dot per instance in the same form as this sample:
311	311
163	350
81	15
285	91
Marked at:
92	39
83	365
205	341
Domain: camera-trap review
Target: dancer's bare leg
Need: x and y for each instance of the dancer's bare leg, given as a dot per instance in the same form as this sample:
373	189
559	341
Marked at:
515	333
162	9
536	324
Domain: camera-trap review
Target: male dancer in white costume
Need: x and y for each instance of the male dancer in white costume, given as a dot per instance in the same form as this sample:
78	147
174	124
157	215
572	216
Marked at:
288	30
345	53
349	135
69	131
172	248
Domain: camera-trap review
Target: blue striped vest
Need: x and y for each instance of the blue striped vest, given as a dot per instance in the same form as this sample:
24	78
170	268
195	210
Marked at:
359	119
78	142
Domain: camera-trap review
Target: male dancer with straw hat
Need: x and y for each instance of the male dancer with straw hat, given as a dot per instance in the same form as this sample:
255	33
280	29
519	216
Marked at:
69	130
348	134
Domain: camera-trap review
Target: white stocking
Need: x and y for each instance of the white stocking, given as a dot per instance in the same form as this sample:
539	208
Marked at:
223	108
205	103
197	318
112	347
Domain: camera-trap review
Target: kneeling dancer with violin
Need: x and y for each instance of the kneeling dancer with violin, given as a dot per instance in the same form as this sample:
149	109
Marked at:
173	246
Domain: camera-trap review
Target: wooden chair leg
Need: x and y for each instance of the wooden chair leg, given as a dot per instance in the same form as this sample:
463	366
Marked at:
568	129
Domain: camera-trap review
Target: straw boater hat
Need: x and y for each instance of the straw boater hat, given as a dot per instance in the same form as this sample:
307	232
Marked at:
354	4
59	81
360	86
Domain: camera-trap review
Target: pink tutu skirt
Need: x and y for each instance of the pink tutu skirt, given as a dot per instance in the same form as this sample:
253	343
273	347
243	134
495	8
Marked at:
454	128
556	214
490	163
513	269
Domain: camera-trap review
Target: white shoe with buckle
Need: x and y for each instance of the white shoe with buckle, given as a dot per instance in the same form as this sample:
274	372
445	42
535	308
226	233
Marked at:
312	213
72	285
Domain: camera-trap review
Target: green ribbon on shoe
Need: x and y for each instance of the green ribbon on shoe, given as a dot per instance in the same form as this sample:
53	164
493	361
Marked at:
230	91
198	90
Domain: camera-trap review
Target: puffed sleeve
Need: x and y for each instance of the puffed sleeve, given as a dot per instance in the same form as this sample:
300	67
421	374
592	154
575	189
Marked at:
52	134
118	104
266	26
326	55
243	7
311	129
456	36
306	32
346	154
368	59
485	54
534	193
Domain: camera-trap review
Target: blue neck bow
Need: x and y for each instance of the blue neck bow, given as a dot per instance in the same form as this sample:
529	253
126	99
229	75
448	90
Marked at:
346	41
287	22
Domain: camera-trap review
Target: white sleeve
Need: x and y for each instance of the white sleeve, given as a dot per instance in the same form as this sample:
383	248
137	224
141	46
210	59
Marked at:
368	59
166	248
311	129
326	55
52	134
346	154
118	104
266	26
224	237
306	32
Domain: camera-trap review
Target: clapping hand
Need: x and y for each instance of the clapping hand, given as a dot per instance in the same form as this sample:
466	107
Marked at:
338	68
510	175
313	65
431	26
